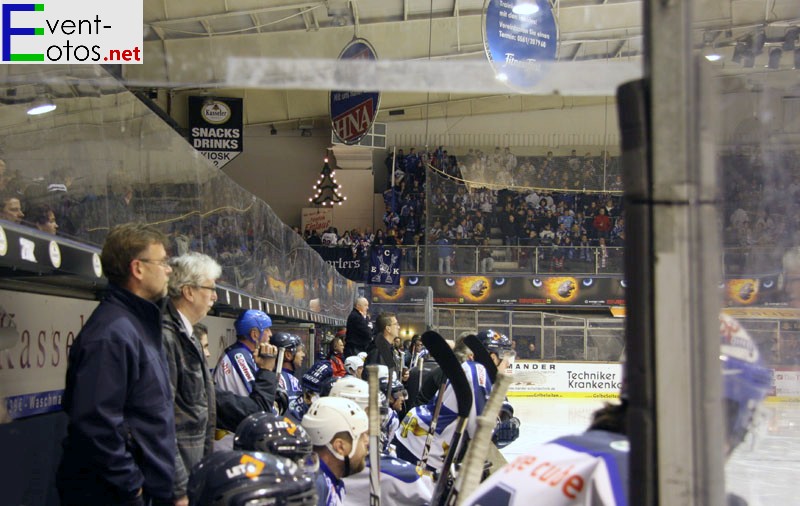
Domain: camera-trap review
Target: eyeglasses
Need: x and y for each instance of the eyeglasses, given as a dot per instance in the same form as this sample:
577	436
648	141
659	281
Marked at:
211	288
163	262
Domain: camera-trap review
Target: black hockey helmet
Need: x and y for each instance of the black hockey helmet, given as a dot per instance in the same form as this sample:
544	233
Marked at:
495	342
286	340
236	478
268	432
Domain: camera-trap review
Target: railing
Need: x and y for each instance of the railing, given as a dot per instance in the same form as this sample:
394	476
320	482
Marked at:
509	259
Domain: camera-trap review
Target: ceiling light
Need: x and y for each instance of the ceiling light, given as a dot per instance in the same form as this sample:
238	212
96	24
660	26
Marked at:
711	54
41	105
273	130
525	8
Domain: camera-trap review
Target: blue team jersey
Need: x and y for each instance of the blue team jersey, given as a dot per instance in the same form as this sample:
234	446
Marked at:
236	369
290	384
413	429
330	489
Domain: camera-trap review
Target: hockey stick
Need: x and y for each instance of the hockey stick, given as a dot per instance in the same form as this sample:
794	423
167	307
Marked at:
279	362
482	355
470	476
374	437
423	461
451	367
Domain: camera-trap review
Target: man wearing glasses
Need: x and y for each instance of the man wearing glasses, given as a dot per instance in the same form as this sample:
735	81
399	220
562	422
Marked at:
120	445
380	351
192	293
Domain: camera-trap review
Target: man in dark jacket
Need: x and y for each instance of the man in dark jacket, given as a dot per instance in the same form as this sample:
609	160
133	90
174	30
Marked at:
192	292
359	329
120	445
381	350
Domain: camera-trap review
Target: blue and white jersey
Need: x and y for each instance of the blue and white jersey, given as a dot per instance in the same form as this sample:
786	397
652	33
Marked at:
297	409
413	429
401	484
330	489
590	469
236	370
290	384
389	426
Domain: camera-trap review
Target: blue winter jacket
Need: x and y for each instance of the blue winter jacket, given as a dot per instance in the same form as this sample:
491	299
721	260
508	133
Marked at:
121	432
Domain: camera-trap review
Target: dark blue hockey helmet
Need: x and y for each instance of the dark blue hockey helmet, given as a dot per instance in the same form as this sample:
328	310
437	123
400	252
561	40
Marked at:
276	435
286	340
237	478
319	378
495	342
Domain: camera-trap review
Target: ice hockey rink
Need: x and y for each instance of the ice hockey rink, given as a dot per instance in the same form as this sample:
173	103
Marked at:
763	470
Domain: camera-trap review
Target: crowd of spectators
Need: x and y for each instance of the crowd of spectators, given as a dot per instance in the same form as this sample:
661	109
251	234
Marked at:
475	203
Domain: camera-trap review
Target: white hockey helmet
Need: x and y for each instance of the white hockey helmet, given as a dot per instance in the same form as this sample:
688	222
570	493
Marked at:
329	416
352	388
351	364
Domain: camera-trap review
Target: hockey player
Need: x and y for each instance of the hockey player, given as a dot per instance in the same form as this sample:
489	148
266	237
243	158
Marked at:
236	369
338	430
354	366
237	478
293	356
500	350
410	437
277	435
592	468
316	383
401	484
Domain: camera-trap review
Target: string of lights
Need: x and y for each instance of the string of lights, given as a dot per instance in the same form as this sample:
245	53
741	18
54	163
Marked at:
326	189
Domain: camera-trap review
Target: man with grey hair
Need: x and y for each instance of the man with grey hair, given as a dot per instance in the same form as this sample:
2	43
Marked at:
359	329
192	292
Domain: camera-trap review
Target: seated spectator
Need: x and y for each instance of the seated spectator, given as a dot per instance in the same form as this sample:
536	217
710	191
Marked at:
43	218
11	208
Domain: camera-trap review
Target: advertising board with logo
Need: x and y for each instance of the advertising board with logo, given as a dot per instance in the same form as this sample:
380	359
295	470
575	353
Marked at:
215	128
353	112
37	332
565	379
76	32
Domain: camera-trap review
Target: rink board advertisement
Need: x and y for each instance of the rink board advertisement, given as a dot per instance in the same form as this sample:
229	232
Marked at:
565	379
527	290
786	381
32	370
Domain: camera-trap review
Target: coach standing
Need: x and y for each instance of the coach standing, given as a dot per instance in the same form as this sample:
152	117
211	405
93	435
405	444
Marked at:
120	445
359	329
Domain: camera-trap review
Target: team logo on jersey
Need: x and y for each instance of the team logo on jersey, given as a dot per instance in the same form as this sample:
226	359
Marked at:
242	363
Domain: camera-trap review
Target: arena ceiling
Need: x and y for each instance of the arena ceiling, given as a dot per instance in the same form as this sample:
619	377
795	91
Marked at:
252	47
280	55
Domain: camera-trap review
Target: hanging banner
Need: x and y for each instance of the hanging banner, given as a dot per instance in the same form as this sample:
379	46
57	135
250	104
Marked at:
343	260
353	112
384	266
314	218
215	128
515	41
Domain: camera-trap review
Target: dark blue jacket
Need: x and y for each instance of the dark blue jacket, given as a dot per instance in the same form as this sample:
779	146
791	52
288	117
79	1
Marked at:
121	432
